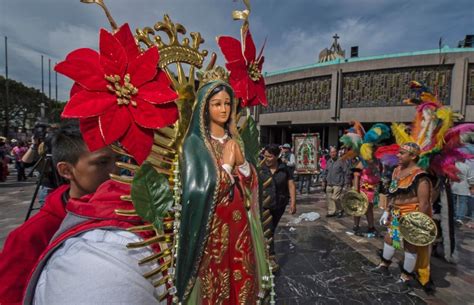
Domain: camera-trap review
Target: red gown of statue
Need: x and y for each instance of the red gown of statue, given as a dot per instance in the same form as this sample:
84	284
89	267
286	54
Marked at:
228	273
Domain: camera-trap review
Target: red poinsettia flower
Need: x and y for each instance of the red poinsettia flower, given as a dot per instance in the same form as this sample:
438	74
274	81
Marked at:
119	94
245	69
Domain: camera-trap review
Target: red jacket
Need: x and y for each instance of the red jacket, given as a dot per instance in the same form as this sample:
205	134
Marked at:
25	244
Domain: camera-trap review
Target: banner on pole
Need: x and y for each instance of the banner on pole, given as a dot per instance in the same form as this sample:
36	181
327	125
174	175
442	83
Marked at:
306	151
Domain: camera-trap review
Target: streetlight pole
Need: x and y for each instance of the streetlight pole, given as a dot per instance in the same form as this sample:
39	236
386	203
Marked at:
50	106
56	84
49	77
42	75
42	106
7	117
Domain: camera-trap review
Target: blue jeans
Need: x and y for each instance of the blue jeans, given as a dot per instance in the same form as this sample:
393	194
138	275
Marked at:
460	205
470	207
305	180
42	194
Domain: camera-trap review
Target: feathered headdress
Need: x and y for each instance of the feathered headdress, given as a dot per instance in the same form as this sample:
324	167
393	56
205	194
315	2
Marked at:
362	143
432	129
458	147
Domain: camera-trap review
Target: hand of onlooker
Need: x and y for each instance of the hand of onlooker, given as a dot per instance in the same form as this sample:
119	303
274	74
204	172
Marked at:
384	218
292	208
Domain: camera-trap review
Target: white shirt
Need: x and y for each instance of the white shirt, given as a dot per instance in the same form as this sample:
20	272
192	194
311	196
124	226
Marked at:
466	176
96	268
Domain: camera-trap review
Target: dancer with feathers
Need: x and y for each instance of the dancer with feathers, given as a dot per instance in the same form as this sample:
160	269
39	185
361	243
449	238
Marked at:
427	152
367	172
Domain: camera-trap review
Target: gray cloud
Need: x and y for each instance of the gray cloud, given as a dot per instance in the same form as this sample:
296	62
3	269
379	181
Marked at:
296	30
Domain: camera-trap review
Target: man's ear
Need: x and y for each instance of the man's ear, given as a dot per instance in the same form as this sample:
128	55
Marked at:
65	170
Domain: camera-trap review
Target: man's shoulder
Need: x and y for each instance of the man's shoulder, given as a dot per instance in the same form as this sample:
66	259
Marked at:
92	258
283	167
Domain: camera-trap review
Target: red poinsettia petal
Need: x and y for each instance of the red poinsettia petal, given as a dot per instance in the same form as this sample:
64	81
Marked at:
158	91
231	48
237	69
249	47
154	116
114	123
260	98
261	93
76	88
241	86
125	37
83	66
88	104
113	58
144	68
83	54
91	133
137	142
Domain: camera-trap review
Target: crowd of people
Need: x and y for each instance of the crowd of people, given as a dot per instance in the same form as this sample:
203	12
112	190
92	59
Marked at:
398	189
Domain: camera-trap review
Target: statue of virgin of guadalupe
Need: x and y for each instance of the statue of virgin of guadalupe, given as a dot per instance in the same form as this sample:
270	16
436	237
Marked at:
221	256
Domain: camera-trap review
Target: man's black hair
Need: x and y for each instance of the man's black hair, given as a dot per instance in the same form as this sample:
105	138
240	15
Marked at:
67	144
273	149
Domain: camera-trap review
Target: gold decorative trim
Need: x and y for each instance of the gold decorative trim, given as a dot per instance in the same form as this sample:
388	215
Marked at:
156	256
121	179
158	270
237	275
152	240
236	215
173	51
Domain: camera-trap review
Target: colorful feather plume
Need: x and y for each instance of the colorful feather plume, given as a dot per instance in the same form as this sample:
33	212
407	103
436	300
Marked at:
458	131
445	163
387	154
366	151
400	133
441	144
377	133
352	141
349	155
358	128
457	148
445	115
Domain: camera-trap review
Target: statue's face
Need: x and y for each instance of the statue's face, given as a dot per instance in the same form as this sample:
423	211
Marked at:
219	108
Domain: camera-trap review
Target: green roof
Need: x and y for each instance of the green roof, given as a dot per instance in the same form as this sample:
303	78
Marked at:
355	59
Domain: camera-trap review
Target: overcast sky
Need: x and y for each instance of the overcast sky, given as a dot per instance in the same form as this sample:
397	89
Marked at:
296	30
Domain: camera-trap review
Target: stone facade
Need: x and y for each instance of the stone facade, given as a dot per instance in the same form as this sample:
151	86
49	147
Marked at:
470	85
382	88
325	97
306	94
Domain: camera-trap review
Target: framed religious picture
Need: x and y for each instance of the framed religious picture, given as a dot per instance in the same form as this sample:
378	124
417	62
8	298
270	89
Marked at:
306	149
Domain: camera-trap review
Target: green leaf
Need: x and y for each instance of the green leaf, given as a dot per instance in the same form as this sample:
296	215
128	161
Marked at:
250	136
151	195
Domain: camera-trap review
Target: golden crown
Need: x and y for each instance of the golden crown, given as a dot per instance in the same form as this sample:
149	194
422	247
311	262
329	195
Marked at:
173	51
217	73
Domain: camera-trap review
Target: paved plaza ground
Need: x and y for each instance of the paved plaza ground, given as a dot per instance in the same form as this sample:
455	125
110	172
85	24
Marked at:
320	263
